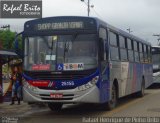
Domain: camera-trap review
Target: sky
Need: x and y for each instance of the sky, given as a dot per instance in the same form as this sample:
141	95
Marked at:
141	16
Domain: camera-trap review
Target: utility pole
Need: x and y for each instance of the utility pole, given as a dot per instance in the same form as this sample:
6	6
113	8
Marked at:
129	30
157	35
88	5
6	27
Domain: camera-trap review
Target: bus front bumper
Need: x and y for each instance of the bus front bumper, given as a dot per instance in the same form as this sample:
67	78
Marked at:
90	95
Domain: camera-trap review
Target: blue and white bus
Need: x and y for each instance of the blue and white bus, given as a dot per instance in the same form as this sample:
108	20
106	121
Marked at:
72	59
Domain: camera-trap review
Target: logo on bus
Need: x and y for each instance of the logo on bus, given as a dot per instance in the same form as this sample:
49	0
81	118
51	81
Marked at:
60	67
70	66
51	84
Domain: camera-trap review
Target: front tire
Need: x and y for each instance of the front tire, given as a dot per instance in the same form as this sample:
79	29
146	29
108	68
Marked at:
55	106
113	102
114	99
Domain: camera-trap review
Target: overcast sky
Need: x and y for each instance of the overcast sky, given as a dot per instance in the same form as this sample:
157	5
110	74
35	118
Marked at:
142	16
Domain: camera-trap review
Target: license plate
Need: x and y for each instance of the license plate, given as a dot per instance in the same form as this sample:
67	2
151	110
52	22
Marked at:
56	96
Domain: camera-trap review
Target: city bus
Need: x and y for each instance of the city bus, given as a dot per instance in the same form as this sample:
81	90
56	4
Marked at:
156	63
72	59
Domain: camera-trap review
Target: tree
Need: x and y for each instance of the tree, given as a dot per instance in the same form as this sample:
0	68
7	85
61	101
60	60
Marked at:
0	44
7	37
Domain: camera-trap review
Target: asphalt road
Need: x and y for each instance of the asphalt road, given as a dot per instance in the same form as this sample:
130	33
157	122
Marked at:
130	106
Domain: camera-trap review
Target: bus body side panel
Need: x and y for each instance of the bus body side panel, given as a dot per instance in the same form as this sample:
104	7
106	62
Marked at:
126	75
115	74
104	86
125	79
129	76
135	73
148	70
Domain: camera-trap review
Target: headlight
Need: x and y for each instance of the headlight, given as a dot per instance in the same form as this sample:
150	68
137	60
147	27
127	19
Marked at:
89	84
28	86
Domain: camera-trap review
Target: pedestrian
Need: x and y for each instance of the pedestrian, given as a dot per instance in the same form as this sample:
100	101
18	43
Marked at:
16	85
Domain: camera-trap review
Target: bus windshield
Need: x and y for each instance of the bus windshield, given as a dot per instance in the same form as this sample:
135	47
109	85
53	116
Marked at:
46	52
155	61
156	58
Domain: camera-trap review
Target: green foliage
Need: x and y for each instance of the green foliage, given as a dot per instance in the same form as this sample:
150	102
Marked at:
7	37
6	69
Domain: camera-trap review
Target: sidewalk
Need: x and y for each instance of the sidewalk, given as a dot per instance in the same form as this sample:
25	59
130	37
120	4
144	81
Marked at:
13	110
20	110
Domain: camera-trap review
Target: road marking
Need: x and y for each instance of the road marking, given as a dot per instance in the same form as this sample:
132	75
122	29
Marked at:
125	106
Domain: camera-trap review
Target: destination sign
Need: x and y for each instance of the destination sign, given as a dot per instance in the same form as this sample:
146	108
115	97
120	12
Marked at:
50	25
60	25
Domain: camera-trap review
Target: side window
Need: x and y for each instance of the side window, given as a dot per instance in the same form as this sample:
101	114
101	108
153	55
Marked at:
136	53
114	53
102	33
145	53
144	48
149	54
129	44
130	55
140	47
123	50
114	50
141	57
130	50
103	41
123	54
113	39
141	52
136	56
135	46
122	42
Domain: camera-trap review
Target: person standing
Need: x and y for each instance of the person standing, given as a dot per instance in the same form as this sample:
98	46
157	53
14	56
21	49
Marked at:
16	85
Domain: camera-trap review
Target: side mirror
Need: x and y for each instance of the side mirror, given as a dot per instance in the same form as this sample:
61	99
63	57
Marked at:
16	45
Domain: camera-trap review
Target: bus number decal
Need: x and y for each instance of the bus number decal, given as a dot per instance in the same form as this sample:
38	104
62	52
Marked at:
67	83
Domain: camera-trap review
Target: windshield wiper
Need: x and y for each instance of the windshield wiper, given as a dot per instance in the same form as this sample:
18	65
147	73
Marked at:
26	54
51	50
46	41
67	45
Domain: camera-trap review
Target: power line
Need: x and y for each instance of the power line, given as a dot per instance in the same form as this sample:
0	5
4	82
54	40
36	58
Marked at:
92	7
88	5
97	13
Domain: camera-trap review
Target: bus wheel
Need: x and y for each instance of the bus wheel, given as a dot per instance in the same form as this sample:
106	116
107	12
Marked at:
55	106
113	102
142	91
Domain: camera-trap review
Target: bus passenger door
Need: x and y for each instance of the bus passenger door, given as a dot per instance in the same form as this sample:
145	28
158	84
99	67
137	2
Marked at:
104	69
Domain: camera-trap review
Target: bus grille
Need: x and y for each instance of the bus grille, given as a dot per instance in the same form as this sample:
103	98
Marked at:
62	76
51	88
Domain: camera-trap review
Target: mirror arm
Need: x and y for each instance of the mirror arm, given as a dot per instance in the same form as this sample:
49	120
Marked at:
16	44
